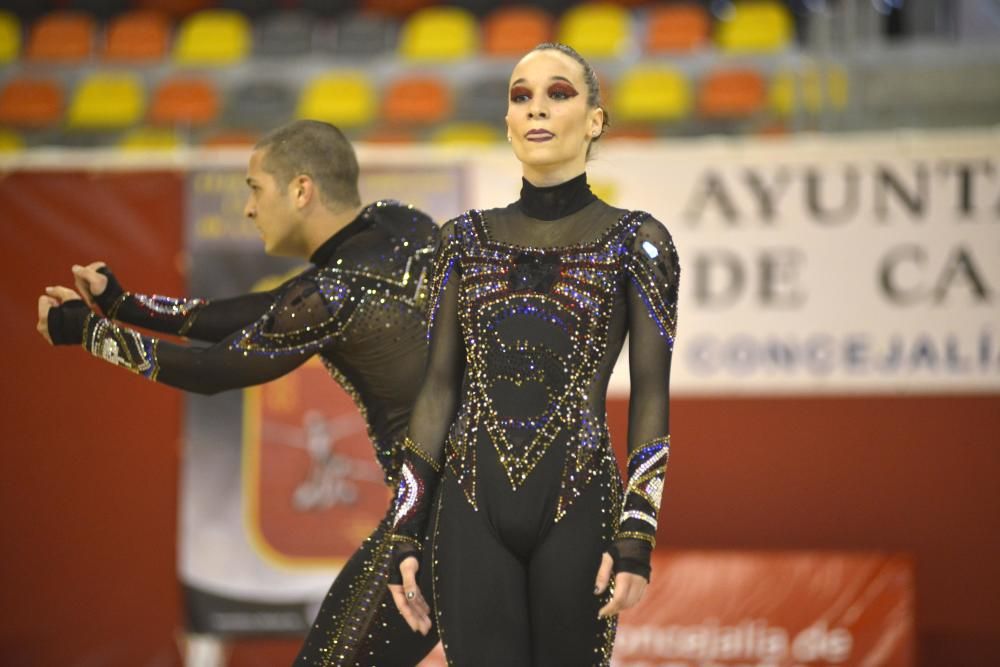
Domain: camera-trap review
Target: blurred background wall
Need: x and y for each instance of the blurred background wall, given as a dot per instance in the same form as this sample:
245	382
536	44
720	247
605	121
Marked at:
91	459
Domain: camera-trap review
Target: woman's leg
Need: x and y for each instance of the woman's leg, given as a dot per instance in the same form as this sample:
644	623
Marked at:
480	588
565	628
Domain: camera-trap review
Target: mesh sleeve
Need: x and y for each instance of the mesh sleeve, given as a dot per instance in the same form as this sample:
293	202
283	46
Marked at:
436	403
304	320
209	321
653	273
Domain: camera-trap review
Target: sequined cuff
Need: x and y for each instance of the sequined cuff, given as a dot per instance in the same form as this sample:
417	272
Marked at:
647	467
161	313
418	477
121	347
67	322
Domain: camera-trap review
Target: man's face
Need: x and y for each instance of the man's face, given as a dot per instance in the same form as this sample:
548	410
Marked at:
270	206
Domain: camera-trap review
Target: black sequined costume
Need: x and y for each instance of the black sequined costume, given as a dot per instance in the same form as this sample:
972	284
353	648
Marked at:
532	304
362	308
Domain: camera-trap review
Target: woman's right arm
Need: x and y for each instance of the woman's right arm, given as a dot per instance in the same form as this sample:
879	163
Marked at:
423	449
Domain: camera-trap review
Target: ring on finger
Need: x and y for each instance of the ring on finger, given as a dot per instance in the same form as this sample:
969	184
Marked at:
410	595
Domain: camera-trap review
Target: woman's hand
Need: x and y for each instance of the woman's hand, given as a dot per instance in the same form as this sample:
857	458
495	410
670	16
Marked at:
628	587
410	602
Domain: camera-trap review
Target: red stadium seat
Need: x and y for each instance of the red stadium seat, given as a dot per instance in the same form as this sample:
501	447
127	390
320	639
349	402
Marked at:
417	100
139	36
62	36
31	103
512	31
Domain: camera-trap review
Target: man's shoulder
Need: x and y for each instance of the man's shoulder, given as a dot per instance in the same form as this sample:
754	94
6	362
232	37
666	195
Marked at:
403	220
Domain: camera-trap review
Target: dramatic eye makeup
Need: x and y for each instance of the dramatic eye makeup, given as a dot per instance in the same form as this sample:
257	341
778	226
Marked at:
518	93
562	90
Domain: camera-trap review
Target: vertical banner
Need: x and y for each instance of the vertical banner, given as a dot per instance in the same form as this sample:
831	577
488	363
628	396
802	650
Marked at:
279	482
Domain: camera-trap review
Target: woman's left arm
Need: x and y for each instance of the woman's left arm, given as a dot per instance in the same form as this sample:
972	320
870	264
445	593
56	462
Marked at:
653	275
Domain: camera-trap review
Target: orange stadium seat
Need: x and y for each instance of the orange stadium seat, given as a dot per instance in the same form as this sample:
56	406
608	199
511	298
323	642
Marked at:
63	36
10	37
137	36
417	100
390	135
231	139
184	101
731	94
512	31
672	28
31	103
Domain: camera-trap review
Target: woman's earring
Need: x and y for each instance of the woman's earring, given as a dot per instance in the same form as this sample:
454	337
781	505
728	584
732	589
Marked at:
508	138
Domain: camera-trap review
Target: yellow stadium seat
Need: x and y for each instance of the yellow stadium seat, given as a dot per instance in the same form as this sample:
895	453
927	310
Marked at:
596	30
106	101
463	134
345	100
213	37
150	139
808	90
439	33
652	94
755	26
10	37
10	142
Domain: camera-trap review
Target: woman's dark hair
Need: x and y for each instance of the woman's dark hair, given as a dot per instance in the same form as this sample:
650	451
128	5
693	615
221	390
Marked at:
589	77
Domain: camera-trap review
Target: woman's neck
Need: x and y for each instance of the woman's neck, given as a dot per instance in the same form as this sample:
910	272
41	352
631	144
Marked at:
555	201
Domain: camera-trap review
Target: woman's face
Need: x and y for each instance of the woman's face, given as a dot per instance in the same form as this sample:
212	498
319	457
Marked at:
548	118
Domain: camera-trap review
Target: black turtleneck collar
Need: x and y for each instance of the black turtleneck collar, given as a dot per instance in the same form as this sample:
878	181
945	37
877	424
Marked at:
323	253
556	201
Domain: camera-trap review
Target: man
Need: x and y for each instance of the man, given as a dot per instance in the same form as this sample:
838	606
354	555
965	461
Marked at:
360	307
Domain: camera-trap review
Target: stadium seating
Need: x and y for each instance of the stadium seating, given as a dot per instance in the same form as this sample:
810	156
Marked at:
137	37
513	30
184	101
61	36
31	103
10	37
213	37
106	101
755	26
346	100
439	34
599	30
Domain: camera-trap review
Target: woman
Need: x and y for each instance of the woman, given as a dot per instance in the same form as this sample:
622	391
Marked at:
533	303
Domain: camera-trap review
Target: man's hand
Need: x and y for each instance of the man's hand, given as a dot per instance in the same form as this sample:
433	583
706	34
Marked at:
628	588
53	298
89	282
410	602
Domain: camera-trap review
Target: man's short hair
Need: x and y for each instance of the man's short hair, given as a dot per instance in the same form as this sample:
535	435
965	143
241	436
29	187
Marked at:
318	150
